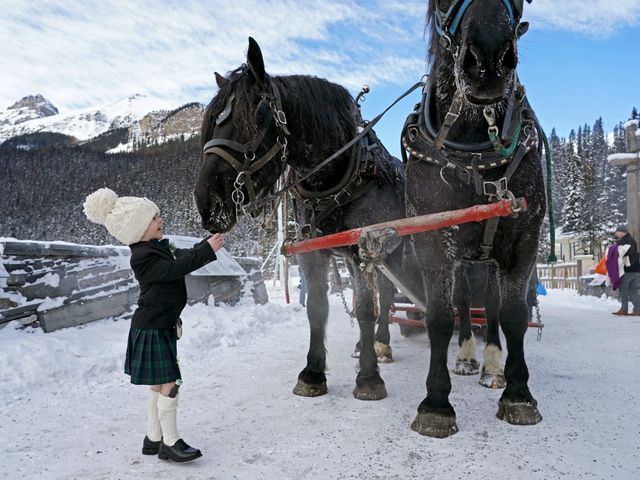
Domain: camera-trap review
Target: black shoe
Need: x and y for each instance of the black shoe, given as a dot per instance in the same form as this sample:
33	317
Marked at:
149	447
180	452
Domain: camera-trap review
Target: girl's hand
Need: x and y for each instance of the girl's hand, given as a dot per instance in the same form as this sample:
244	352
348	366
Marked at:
216	241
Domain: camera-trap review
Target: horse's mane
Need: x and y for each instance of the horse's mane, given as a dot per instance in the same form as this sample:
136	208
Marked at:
319	113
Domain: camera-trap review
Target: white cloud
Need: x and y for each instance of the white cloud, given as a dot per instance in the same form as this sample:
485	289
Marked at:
80	53
594	17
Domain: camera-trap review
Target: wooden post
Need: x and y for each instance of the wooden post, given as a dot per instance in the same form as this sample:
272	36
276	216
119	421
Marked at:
631	160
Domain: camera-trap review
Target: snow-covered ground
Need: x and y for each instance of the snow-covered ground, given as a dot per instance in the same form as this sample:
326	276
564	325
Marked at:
67	411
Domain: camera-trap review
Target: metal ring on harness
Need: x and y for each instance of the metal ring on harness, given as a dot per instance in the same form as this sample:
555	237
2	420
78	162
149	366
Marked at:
240	179
516	207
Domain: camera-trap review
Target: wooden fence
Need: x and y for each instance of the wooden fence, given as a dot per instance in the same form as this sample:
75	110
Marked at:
560	275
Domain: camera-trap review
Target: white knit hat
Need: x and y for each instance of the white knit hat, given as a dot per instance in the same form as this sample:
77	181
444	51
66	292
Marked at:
126	218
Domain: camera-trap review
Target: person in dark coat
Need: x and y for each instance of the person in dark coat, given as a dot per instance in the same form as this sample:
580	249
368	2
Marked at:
151	357
630	281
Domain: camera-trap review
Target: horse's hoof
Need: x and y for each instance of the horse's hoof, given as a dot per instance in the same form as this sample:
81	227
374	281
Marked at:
370	392
467	367
307	390
435	425
491	380
519	413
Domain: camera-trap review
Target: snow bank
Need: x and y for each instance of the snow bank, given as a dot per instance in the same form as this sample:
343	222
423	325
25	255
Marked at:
94	354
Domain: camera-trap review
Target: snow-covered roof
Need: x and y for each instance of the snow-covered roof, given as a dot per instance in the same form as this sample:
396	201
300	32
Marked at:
630	123
623	159
224	266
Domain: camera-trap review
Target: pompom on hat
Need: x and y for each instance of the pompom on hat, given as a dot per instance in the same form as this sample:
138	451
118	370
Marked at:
126	218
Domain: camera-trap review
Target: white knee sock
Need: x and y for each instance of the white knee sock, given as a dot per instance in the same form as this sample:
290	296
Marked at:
167	413
154	431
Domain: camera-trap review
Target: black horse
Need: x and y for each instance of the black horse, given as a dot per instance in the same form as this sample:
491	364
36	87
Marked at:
474	139
260	129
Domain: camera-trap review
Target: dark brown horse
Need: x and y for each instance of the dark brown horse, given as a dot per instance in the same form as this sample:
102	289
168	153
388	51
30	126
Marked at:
474	139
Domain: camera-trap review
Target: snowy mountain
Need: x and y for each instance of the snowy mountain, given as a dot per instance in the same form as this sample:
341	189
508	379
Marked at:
27	108
138	113
162	126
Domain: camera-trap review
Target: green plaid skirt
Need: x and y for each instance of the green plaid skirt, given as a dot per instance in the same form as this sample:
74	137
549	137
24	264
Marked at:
152	356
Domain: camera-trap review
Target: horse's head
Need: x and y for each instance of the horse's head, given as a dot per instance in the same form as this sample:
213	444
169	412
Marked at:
480	37
243	141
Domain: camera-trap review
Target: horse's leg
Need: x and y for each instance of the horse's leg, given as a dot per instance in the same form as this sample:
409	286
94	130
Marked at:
517	406
312	381
466	363
369	384
436	417
492	374
383	337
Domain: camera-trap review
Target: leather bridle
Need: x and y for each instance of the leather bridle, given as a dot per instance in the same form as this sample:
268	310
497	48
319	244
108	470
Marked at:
446	23
245	168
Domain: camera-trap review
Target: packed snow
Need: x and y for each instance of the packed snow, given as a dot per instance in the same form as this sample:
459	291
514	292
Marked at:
68	412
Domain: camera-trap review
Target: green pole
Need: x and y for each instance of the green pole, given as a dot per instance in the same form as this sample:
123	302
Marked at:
552	228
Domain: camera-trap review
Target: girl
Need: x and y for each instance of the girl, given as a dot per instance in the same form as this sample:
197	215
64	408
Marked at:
151	357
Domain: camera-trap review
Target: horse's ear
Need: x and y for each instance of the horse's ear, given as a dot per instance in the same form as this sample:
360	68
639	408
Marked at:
220	80
521	29
255	61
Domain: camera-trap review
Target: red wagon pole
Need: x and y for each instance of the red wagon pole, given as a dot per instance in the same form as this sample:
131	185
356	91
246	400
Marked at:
409	226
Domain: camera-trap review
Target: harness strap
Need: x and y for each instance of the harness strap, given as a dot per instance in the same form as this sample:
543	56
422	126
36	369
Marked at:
216	142
265	158
490	229
352	142
225	155
450	118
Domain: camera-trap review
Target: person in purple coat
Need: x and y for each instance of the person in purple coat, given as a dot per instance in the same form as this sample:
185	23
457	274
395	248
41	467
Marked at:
630	281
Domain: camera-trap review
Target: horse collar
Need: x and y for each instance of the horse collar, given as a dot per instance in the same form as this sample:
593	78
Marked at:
423	142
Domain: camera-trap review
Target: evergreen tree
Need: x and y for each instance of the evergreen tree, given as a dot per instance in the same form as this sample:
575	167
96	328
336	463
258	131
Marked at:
571	216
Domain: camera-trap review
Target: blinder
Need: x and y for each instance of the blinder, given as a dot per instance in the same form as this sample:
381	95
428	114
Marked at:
263	115
228	108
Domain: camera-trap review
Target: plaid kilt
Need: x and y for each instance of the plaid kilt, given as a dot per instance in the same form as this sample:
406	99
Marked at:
152	356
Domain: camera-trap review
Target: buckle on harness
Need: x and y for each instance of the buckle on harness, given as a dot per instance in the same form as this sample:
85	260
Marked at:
497	189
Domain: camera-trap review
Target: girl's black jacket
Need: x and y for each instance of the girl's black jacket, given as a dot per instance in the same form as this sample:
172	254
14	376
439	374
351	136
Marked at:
163	292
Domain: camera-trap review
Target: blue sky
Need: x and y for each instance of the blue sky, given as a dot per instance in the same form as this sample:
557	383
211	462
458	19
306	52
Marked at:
578	61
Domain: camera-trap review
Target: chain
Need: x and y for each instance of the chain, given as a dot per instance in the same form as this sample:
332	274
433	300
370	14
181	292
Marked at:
538	319
346	306
336	272
238	195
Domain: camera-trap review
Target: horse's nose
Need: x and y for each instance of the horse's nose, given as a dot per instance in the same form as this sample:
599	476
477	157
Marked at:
483	63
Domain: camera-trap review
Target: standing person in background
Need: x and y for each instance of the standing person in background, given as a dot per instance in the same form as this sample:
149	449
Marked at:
160	268
630	281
